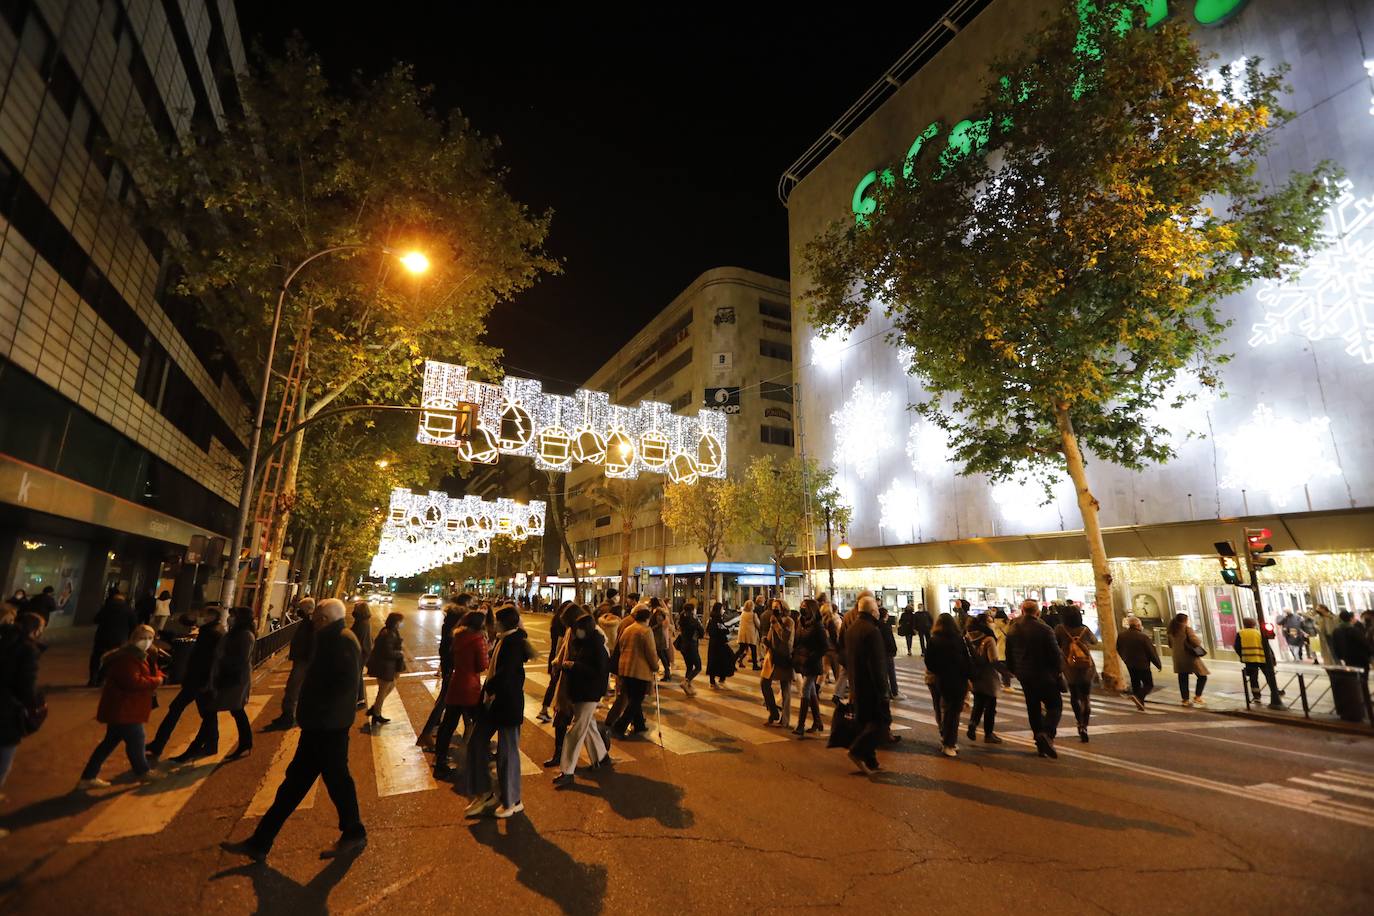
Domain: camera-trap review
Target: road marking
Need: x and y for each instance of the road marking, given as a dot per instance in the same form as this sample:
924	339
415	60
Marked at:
1325	758
527	766
1317	803
1365	777
1179	727
753	705
398	764
149	809
1319	783
267	790
750	734
542	679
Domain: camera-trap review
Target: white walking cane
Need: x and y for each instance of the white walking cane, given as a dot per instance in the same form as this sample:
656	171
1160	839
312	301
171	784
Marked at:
658	714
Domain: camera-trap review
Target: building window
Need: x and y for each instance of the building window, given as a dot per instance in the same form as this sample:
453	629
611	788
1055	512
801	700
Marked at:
602	521
775	310
774	350
772	391
775	435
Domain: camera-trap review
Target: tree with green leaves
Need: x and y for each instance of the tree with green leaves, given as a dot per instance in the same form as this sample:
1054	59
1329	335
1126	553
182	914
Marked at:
710	513
779	495
311	167
1058	269
627	499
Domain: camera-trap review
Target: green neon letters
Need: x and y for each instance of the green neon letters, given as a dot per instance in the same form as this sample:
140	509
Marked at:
968	134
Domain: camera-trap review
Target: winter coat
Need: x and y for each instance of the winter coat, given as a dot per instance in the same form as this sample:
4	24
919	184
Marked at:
329	692
18	681
999	633
889	640
503	691
387	658
947	659
1326	625
451	621
590	673
131	679
983	657
1137	650
637	656
748	628
302	642
777	663
469	659
1032	653
809	650
609	623
1185	662
557	630
362	629
906	624
43	604
923	621
720	660
202	658
865	661
689	631
114	622
231	676
1085	638
1351	645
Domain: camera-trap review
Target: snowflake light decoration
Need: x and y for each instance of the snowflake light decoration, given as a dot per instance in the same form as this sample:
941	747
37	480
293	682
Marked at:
926	445
1275	455
862	429
1022	500
899	510
827	350
1334	296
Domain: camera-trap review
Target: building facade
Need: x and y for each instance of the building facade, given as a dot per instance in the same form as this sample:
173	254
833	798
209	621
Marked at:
1290	447
122	423
724	342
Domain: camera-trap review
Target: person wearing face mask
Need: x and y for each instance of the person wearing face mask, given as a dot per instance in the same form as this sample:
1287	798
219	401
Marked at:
503	710
130	678
586	669
326	712
386	661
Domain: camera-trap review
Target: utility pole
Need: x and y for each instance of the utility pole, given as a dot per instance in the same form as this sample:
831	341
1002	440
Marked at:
829	553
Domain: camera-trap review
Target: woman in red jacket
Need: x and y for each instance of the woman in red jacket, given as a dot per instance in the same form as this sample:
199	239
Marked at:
131	679
469	650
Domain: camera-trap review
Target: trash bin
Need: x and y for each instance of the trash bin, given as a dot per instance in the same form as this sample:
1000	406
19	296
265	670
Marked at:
1347	691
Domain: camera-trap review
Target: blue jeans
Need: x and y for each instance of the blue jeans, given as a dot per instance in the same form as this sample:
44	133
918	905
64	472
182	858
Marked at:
132	737
7	753
476	777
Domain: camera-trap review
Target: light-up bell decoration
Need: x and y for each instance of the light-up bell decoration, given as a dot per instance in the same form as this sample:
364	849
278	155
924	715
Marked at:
426	530
484	421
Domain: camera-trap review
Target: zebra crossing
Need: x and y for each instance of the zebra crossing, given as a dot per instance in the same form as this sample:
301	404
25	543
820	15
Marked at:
724	720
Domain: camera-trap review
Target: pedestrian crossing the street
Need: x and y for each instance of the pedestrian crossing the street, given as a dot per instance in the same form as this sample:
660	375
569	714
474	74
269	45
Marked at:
527	766
276	771
400	764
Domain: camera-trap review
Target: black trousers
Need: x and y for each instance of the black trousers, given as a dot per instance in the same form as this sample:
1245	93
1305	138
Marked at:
984	708
437	713
185	697
207	739
319	755
691	658
1252	671
950	706
752	650
448	724
871	731
1183	684
1080	698
629	706
1044	706
924	638
1142	682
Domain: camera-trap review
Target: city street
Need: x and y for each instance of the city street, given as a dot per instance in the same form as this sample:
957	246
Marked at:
1174	810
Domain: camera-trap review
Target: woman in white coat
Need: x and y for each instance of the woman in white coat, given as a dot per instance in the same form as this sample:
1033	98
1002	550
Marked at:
748	636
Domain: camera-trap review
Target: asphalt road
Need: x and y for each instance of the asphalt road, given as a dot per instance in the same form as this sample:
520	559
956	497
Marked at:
1181	811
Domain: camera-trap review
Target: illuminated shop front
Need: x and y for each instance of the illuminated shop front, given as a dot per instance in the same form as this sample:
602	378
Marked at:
1289	445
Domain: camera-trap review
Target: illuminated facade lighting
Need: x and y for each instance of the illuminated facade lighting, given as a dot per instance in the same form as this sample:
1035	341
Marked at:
1275	455
862	432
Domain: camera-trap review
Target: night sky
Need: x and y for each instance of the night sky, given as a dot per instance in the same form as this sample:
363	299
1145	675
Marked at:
656	139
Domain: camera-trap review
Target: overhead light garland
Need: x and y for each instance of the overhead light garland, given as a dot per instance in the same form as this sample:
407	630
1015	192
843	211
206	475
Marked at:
517	417
423	531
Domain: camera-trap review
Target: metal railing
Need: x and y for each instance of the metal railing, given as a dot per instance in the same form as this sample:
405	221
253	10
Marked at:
271	643
1311	692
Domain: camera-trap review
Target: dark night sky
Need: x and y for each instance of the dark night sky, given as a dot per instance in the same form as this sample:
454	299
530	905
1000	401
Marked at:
656	139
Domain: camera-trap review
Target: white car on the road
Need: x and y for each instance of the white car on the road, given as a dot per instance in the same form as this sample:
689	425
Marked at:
430	602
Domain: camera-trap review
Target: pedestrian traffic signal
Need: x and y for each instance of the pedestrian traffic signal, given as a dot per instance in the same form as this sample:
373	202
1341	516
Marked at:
1259	548
1230	563
1268	629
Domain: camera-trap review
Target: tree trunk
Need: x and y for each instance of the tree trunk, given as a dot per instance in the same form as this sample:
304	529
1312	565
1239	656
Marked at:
1102	577
706	584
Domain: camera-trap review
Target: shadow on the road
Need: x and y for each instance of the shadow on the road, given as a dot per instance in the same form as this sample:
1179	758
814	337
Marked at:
276	893
1047	808
51	809
577	889
635	797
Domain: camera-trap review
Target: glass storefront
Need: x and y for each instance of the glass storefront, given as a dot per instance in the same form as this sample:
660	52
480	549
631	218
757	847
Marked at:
42	561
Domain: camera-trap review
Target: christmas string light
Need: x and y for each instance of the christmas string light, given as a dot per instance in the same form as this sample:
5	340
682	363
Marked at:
426	530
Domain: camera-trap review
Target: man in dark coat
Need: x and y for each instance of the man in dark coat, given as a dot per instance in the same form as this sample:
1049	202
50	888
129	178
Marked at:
42	604
326	712
302	645
1137	652
923	622
195	679
113	623
1033	656
865	657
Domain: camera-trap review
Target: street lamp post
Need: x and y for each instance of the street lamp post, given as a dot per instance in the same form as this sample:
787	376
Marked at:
415	262
829	553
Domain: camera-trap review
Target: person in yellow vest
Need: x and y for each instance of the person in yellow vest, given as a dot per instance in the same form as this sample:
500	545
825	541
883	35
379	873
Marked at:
1257	657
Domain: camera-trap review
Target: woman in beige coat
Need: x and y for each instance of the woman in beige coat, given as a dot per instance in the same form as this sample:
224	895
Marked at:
1186	646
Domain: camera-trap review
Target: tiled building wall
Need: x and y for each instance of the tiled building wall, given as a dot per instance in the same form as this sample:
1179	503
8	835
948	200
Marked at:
45	326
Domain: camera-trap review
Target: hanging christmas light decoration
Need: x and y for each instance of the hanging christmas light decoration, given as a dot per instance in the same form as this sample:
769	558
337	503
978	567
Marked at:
484	421
426	530
863	429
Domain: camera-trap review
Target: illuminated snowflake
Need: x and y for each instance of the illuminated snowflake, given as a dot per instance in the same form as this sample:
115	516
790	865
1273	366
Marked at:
1334	296
1275	455
899	508
862	429
1022	499
1369	68
926	446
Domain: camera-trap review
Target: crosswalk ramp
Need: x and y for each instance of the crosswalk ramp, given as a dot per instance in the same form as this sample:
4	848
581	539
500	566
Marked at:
1342	794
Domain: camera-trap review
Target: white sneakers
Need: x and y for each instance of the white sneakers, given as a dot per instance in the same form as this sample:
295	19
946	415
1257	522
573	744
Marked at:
481	805
949	751
94	783
504	812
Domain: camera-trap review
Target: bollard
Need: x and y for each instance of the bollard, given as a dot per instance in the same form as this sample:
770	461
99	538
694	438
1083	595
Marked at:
1302	691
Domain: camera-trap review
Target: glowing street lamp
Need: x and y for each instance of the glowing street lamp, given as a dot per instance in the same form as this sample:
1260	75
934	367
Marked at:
844	551
415	261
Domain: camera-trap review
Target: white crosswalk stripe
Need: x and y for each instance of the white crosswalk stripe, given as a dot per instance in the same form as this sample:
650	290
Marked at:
267	789
1343	795
151	808
399	765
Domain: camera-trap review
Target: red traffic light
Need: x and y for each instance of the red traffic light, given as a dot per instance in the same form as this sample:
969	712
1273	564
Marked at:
1268	629
1257	536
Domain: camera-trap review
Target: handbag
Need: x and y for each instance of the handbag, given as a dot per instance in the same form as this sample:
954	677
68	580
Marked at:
1197	650
31	718
843	728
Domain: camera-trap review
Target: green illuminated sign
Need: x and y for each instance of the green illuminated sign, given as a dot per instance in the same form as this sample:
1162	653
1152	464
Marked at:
970	135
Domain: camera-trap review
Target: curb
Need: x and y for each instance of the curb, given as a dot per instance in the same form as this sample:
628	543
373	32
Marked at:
1338	726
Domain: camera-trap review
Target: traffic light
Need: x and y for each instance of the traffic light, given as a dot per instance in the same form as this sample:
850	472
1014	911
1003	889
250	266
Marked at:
1257	543
1230	563
1267	629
